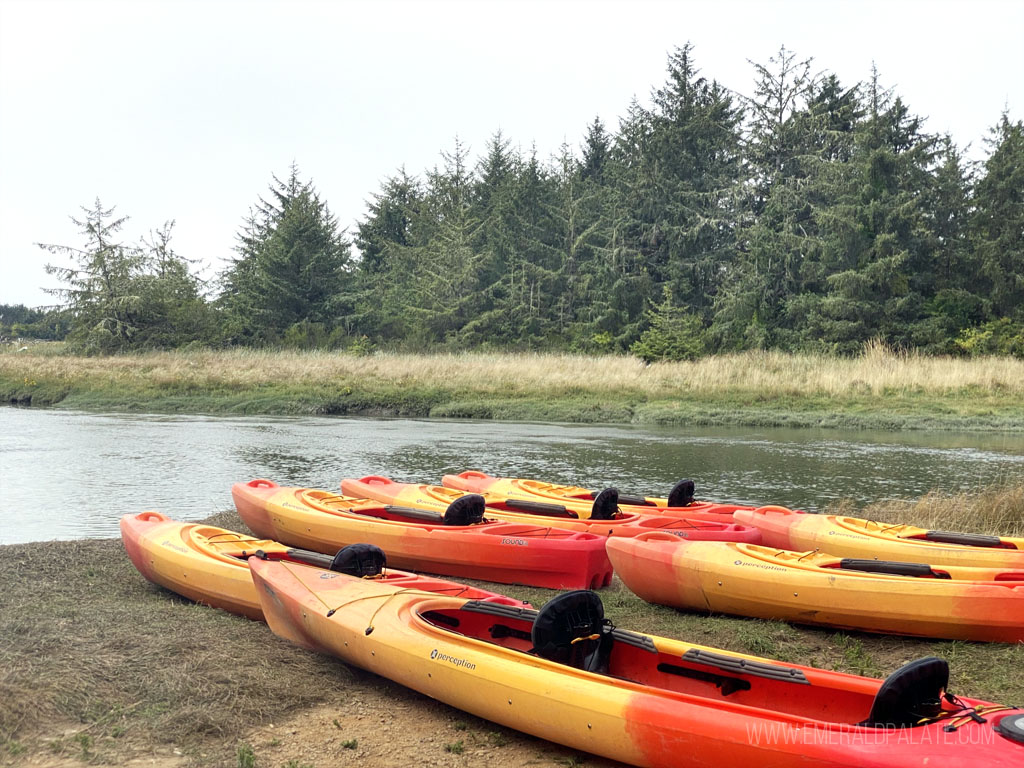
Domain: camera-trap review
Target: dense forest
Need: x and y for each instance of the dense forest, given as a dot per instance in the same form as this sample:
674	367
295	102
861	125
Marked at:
812	215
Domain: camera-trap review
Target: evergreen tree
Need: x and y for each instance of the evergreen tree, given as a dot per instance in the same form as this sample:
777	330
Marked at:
774	237
102	294
998	222
677	193
292	266
122	296
881	234
596	152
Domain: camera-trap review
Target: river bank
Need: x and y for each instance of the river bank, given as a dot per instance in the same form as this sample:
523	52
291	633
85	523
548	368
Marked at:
98	666
879	390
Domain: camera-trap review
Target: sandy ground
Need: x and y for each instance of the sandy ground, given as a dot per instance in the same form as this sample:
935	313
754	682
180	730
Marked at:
379	726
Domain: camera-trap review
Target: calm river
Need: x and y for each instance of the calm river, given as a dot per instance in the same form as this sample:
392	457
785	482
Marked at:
67	475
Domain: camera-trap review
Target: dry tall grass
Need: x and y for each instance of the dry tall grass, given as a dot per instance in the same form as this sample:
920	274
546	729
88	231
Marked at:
878	372
996	510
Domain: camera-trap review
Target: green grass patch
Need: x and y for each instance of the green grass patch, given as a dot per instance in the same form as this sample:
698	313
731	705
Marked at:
755	389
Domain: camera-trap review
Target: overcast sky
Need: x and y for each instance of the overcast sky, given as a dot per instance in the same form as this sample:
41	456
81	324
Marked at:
183	110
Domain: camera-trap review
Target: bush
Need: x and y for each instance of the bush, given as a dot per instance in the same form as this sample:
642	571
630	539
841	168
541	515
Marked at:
674	334
997	337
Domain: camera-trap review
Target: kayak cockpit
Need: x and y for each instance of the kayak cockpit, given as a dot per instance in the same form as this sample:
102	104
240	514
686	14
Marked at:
571	630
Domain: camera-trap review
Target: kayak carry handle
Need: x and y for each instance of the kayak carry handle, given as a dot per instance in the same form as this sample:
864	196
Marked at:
659	536
472	474
376	480
152	516
261	483
774	509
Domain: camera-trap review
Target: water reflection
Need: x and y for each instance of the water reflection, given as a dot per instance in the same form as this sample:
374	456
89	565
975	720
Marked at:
72	475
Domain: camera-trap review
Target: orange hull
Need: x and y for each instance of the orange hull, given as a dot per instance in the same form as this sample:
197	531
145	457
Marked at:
855	537
816	588
438	498
210	565
652	701
508	553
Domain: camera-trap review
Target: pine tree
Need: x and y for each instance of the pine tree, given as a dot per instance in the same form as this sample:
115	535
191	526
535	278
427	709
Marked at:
998	222
102	294
293	266
775	236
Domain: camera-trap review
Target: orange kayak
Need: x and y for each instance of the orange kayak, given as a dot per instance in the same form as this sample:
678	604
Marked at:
457	543
855	537
211	565
679	503
958	603
565	674
608	521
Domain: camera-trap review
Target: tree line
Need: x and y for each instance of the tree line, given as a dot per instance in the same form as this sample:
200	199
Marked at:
810	215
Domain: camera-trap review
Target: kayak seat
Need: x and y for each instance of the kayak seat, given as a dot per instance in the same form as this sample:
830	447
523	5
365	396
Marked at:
606	505
681	494
571	629
359	560
465	510
912	693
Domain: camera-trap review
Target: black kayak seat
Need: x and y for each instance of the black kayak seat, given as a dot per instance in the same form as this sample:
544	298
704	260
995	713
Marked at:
891	567
359	560
465	510
681	494
606	505
910	694
571	629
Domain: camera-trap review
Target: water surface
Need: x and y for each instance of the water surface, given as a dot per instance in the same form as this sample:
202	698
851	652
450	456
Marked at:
67	475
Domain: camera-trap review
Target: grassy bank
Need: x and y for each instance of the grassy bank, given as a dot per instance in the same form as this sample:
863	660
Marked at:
880	389
97	666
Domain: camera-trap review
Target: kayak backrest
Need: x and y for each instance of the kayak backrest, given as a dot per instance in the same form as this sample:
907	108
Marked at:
910	694
606	505
681	494
571	629
465	510
359	560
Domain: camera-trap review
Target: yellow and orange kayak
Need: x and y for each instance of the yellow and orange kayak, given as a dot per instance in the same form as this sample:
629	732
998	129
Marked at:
610	522
854	537
680	502
211	565
954	602
455	543
565	674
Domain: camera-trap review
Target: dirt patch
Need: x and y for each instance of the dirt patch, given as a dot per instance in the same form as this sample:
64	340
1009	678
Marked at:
386	726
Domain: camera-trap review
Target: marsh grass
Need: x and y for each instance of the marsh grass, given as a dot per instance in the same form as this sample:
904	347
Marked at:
879	388
997	510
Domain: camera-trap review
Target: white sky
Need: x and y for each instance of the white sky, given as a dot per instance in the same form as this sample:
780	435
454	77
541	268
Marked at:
183	110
